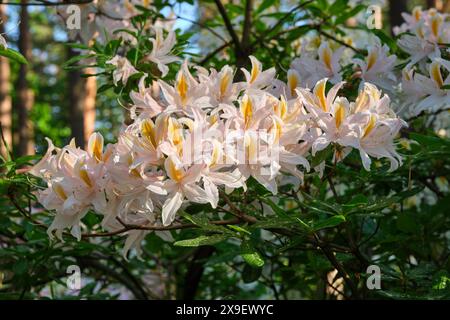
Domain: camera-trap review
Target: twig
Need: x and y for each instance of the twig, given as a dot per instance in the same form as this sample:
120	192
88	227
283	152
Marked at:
46	3
128	227
343	43
330	255
214	52
239	213
287	15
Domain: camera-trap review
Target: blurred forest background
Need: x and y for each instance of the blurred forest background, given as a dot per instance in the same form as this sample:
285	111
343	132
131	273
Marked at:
46	99
43	99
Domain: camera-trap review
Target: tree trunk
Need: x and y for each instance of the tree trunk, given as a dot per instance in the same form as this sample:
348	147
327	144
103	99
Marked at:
81	103
431	3
195	271
5	97
90	94
446	6
25	96
75	105
396	7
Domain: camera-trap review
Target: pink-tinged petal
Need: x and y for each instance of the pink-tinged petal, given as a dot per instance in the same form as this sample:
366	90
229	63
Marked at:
212	192
196	194
365	159
270	185
44	164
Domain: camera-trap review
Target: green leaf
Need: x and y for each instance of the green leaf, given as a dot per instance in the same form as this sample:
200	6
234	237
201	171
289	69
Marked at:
407	223
430	142
203	222
353	12
78	46
304	224
201	241
20	267
264	5
329	223
76	59
13	55
321	156
105	87
298	32
279	211
338	6
250	255
238	229
386	40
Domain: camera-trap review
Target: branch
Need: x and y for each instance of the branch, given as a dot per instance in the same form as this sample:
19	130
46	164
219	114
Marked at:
241	215
46	3
343	43
287	15
201	25
128	227
214	52
330	256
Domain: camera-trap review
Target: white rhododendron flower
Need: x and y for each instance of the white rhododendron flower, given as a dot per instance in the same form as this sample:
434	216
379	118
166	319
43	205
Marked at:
429	29
378	66
327	65
434	96
161	50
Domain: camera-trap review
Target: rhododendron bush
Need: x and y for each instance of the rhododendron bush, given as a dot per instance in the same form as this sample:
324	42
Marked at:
295	156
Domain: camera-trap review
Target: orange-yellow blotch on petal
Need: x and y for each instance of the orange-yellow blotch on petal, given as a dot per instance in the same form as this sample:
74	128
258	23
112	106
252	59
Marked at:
173	172
95	146
370	125
435	73
319	92
59	190
246	110
182	86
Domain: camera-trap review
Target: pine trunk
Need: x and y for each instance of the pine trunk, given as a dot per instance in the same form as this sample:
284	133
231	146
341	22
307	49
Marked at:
25	96
5	96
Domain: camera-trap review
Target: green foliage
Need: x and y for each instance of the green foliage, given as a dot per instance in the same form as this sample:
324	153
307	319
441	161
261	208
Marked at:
13	55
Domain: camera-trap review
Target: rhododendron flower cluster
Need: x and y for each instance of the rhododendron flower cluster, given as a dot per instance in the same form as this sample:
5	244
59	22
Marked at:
423	33
208	133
